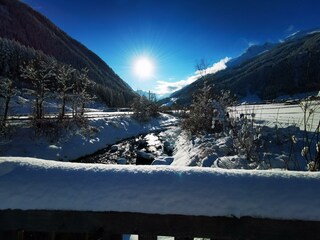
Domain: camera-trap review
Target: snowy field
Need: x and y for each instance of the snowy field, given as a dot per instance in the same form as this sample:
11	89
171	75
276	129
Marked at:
281	114
21	108
27	183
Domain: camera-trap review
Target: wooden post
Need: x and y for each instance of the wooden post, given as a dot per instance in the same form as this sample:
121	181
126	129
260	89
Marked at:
87	236
20	235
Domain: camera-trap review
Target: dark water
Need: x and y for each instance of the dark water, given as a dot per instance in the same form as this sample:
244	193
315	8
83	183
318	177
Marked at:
140	150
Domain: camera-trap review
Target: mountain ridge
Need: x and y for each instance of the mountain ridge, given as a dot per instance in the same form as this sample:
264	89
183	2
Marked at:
22	23
289	67
250	53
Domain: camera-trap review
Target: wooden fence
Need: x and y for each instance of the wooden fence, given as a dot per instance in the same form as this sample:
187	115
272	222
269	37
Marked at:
56	225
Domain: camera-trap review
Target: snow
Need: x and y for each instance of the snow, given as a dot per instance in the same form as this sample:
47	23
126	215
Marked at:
209	189
200	150
313	32
171	102
272	133
279	113
102	132
28	183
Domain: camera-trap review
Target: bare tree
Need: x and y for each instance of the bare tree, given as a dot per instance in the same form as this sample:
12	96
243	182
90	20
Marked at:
7	91
201	67
65	85
81	95
39	72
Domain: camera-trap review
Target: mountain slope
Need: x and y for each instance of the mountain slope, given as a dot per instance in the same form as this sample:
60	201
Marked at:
288	68
23	24
251	52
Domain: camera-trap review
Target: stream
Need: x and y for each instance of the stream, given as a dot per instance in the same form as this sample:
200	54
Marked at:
139	150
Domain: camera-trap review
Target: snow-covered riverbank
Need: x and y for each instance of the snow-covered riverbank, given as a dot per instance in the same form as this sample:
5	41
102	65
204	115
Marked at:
102	132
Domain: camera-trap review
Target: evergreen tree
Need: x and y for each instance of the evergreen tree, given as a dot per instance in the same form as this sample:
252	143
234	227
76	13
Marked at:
139	108
201	112
143	109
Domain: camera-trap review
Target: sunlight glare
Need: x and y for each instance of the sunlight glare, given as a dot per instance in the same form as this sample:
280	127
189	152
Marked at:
143	67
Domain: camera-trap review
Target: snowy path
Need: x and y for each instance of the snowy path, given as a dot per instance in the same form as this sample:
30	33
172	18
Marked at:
27	183
89	115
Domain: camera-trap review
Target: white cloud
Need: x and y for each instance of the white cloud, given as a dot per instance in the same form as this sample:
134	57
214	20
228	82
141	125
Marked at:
165	87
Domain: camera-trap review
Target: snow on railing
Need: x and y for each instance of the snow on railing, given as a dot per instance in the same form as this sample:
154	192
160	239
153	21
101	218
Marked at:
33	184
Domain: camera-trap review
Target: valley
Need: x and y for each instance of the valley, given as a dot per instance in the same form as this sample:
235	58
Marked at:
159	120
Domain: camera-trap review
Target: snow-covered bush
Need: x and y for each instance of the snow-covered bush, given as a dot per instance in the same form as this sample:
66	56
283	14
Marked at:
50	129
310	149
208	111
143	109
247	138
266	147
55	129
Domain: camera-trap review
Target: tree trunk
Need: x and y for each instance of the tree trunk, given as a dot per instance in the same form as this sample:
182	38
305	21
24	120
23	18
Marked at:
40	109
37	109
63	107
6	109
82	108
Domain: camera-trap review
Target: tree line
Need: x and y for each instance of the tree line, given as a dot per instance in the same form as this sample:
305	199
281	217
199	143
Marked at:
49	79
13	55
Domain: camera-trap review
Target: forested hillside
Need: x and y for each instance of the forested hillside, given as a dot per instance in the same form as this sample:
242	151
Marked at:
32	34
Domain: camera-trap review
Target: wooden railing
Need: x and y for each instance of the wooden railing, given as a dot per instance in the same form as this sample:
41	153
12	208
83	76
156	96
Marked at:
54	225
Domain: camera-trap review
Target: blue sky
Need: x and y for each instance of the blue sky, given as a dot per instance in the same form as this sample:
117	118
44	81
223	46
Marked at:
175	34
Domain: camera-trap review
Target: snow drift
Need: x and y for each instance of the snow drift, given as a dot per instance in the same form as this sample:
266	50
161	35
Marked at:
28	183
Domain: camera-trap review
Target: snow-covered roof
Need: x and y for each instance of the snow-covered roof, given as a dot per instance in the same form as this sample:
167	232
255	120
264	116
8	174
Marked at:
28	183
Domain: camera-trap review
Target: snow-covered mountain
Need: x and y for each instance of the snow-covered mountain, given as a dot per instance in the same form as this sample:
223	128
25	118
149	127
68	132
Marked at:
256	50
301	33
267	71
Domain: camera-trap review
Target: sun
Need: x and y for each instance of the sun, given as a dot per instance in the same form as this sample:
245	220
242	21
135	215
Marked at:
143	67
